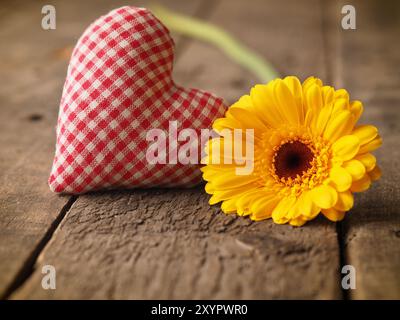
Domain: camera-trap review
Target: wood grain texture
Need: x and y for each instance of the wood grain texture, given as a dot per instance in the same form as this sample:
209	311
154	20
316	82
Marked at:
369	59
29	95
33	65
172	244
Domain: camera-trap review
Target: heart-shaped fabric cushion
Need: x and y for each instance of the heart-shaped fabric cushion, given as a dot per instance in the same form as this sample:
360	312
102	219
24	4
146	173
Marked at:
119	86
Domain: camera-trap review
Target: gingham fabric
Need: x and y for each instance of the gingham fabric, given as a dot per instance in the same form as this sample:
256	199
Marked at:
118	87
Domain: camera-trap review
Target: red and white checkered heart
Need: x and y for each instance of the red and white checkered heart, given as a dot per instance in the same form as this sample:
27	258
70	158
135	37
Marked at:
118	87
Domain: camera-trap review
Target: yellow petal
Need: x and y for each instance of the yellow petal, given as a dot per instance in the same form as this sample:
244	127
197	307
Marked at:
371	146
247	118
262	208
306	205
340	178
275	139
294	211
333	214
245	201
313	103
287	103
311	81
295	87
368	160
244	102
323	119
297	222
328	94
226	194
219	151
228	180
222	152
345	201
361	185
339	106
339	125
229	206
342	94
226	123
324	196
279	214
310	118
355	168
375	174
214	199
263	101
313	96
209	188
210	172
365	133
346	147
356	109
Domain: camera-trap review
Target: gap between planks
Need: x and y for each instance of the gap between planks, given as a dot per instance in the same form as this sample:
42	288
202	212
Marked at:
330	42
29	266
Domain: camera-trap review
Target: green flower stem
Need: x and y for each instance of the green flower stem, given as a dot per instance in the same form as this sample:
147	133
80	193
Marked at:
208	32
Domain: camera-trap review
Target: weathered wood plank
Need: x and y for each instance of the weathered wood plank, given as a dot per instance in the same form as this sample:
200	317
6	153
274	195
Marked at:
33	65
171	244
369	59
157	244
28	102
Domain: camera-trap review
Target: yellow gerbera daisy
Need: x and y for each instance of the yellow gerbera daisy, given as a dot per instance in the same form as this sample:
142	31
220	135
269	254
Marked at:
309	155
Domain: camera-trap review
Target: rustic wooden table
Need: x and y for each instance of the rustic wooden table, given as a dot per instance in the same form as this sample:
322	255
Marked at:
171	243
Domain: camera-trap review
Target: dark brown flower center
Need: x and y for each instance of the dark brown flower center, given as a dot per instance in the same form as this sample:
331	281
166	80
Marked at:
292	159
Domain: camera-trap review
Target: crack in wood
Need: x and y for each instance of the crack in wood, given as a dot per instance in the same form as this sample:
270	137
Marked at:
330	40
341	234
28	267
